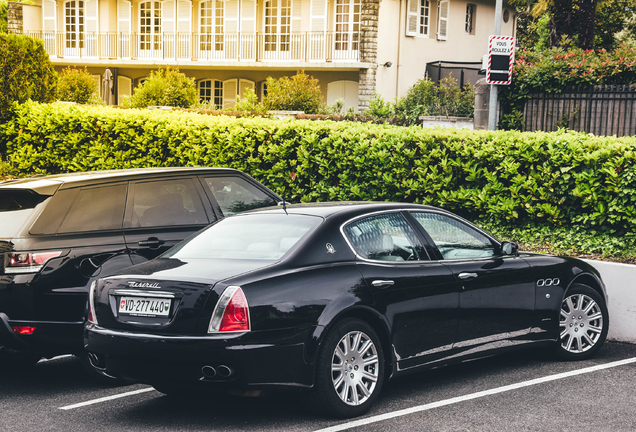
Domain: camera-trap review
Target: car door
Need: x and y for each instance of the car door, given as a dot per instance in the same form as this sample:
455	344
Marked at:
497	292
418	296
161	212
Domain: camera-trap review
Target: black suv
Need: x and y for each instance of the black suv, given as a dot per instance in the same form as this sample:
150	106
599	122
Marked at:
59	233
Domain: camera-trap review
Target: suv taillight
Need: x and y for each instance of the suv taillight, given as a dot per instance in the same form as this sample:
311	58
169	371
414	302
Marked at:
92	318
231	313
27	262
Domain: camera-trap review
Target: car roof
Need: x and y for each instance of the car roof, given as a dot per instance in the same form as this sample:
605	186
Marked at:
345	208
47	185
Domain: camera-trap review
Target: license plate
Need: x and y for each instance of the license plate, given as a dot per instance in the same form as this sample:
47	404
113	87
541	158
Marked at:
144	306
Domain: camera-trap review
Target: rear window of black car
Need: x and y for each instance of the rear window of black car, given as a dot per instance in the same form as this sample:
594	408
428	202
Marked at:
16	207
83	209
251	237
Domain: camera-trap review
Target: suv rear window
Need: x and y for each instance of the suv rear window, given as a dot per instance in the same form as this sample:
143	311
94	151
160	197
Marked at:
16	207
236	195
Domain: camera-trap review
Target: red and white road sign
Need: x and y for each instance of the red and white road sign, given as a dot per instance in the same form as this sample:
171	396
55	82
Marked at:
501	57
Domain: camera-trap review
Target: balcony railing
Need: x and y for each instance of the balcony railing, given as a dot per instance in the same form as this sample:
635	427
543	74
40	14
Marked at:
239	47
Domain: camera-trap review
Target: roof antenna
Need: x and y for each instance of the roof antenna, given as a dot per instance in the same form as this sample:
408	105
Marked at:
285	206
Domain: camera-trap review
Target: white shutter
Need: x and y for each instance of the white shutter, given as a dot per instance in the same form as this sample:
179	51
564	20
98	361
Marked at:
90	11
184	17
48	15
442	25
229	93
123	16
318	15
244	85
412	17
124	88
296	16
167	17
231	16
248	16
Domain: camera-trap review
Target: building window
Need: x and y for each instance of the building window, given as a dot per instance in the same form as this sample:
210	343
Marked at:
347	25
150	25
422	29
206	25
470	18
506	15
263	90
74	24
277	25
211	91
219	26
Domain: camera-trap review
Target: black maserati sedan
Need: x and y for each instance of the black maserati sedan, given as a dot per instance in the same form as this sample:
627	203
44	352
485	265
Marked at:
59	233
334	299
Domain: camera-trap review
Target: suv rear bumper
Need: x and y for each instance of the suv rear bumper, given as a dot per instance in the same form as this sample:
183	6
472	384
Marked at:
49	338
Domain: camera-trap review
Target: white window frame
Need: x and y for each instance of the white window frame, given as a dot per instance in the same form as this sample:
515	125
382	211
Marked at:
349	39
418	17
441	6
155	41
280	40
218	103
79	17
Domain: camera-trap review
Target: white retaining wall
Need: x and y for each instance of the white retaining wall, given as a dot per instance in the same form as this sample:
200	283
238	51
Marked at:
620	281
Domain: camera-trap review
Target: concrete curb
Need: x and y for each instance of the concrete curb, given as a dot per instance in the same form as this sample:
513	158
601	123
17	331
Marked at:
620	281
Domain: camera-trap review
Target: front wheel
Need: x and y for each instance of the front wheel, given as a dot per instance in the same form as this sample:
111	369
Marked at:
349	370
583	323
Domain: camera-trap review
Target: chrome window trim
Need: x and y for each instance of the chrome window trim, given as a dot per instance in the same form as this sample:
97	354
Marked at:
386	263
401	263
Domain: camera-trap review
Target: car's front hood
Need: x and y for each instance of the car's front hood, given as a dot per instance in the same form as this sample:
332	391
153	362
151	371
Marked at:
207	271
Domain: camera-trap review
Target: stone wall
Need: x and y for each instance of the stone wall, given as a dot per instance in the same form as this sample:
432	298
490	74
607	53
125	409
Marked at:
368	51
14	17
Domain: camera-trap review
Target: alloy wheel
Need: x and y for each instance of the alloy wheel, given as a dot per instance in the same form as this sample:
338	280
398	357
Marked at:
355	368
581	323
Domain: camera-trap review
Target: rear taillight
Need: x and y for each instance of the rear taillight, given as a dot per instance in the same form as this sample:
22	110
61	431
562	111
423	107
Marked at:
27	262
231	313
92	318
24	330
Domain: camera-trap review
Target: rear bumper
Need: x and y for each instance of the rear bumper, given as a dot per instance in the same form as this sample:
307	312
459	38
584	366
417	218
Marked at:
255	359
49	338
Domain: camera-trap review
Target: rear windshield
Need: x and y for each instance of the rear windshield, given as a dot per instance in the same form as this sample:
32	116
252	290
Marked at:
16	208
253	237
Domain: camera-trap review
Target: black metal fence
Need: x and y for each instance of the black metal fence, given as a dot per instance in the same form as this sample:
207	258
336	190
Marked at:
601	110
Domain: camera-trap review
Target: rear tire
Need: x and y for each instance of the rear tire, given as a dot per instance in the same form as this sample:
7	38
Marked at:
349	370
583	323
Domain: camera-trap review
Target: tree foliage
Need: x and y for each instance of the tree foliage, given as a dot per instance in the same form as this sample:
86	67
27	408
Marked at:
25	72
300	92
76	85
165	87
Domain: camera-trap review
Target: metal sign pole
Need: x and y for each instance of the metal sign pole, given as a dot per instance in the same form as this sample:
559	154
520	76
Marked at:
492	107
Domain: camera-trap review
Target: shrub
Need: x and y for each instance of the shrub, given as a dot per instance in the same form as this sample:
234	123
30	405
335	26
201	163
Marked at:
425	98
379	108
165	87
25	72
300	92
557	179
249	102
76	85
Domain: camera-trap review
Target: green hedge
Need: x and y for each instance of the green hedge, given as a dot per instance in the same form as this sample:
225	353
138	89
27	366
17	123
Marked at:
564	178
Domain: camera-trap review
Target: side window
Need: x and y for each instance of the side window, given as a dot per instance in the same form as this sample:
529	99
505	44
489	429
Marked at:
96	208
454	239
167	203
386	237
235	194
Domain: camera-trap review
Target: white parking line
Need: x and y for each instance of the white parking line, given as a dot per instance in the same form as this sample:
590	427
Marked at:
107	398
407	411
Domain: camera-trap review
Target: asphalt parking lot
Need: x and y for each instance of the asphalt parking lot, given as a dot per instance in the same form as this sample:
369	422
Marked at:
523	391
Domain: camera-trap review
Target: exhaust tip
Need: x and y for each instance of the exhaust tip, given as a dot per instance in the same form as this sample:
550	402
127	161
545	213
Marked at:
224	371
208	371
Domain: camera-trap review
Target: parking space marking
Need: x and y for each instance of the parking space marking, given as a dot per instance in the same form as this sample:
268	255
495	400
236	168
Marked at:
105	399
416	409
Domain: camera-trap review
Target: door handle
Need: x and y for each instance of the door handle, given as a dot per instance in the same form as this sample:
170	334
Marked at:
382	283
152	242
467	275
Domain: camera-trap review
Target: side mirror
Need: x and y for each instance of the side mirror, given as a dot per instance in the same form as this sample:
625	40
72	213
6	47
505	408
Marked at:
509	248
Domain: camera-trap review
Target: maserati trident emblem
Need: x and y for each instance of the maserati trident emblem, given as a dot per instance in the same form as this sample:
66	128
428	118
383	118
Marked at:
330	248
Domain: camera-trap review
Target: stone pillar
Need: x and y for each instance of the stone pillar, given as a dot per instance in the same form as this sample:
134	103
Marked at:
482	101
14	18
368	51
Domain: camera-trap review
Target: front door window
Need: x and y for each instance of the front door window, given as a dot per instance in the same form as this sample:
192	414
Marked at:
150	26
277	25
74	24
